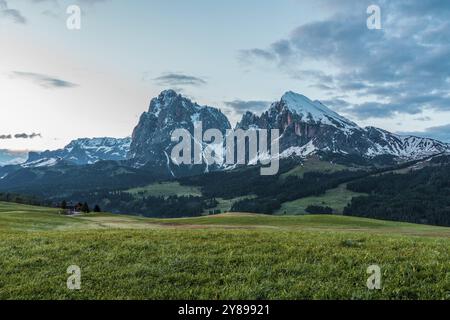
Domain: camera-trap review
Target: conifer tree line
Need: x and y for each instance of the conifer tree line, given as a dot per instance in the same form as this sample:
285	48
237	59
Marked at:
79	207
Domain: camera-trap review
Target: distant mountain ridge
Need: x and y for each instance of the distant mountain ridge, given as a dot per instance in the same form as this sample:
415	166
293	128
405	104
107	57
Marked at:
82	152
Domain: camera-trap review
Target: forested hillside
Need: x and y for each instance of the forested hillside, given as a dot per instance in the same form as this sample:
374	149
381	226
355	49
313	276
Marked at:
421	196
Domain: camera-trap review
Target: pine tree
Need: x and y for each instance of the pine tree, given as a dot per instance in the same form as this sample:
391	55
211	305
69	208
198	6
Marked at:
85	208
97	208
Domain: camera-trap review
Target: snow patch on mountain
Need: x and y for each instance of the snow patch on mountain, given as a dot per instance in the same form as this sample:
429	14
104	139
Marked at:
303	151
45	162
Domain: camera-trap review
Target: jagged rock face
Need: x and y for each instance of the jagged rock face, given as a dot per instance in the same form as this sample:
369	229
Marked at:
307	127
151	140
82	151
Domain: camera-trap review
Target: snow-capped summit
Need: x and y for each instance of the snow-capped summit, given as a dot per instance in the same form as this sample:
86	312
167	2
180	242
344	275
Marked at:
314	111
82	151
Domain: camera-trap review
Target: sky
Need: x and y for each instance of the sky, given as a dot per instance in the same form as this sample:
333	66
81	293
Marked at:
58	84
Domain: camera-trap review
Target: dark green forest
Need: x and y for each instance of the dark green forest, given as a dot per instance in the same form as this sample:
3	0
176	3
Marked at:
421	196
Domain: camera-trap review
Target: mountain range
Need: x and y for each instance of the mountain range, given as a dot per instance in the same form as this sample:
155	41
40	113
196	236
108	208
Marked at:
306	128
82	152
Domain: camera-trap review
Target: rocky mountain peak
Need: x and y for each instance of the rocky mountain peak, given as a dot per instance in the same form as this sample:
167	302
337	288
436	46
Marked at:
166	100
151	140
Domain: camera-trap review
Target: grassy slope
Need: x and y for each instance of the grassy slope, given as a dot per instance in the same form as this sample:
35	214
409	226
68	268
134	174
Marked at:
167	189
225	256
337	199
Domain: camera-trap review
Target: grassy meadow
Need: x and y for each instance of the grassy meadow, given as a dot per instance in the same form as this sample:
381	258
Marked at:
229	256
337	199
166	189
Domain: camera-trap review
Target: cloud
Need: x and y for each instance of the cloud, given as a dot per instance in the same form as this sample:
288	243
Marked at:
337	104
92	2
13	14
424	118
403	68
412	104
88	2
20	136
179	79
44	80
57	10
240	106
51	14
441	133
45	1
27	136
248	55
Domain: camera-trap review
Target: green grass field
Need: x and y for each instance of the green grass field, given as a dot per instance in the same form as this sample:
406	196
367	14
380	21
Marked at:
337	199
230	256
166	189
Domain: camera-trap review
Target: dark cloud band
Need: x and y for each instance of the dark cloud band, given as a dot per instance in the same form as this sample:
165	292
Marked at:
179	79
44	80
20	136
